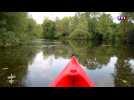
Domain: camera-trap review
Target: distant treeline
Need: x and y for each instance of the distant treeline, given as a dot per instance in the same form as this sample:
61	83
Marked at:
93	26
18	28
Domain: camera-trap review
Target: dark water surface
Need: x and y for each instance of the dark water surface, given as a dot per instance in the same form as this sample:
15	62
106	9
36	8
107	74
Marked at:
37	64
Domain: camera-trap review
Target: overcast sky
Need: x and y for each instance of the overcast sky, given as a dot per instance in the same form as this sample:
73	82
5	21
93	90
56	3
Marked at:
39	16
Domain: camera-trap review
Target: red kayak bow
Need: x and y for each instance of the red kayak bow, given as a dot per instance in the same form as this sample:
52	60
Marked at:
72	76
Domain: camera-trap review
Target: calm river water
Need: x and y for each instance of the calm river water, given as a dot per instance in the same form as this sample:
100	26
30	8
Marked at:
37	64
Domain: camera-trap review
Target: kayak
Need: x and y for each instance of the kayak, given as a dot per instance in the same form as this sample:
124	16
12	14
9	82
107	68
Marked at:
73	75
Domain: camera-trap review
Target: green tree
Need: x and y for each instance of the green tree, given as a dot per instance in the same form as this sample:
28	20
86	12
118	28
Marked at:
104	26
16	28
92	18
49	28
63	27
74	22
12	26
81	29
127	27
33	29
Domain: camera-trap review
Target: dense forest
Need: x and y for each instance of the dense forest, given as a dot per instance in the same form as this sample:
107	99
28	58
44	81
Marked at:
95	26
17	28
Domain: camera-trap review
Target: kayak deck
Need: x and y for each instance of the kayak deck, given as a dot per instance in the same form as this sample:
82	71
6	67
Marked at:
72	76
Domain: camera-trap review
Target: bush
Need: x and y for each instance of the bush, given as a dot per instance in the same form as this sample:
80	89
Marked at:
8	38
79	34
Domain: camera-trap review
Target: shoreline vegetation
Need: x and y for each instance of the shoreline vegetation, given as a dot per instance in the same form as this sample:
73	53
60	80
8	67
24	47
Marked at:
17	28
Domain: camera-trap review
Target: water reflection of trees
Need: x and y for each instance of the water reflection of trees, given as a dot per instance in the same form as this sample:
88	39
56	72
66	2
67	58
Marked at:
123	75
16	60
99	55
58	50
84	50
89	51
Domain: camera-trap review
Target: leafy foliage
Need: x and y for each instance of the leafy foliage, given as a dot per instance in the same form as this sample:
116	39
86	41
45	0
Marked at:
48	29
16	28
